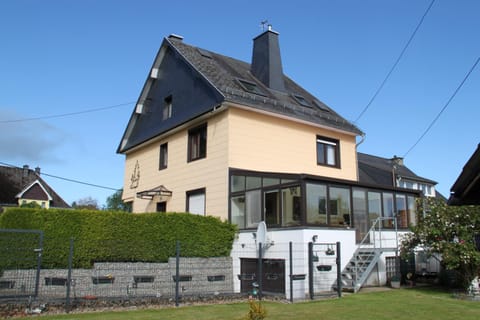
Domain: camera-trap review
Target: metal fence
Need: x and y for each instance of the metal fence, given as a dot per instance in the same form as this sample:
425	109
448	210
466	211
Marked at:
284	270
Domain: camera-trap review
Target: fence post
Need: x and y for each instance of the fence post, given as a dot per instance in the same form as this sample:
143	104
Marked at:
177	273
69	276
290	247
260	271
339	271
39	252
310	269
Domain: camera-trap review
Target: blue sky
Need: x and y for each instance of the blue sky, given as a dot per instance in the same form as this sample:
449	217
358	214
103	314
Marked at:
60	57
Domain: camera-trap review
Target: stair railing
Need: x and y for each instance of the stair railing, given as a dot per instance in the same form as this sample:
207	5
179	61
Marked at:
367	243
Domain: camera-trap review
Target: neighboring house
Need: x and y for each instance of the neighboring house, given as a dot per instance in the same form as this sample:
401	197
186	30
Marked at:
466	189
19	186
214	135
393	173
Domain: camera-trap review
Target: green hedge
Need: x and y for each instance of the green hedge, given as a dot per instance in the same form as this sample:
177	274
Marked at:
119	236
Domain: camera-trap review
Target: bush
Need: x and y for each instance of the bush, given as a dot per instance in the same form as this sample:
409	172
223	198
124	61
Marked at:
116	236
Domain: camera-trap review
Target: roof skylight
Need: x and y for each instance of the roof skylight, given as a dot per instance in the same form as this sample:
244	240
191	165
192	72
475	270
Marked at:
321	106
301	100
250	87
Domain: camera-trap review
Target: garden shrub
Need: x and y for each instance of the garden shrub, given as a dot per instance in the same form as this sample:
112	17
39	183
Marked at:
116	236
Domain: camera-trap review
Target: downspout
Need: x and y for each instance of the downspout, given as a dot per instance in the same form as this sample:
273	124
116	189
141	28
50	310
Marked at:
356	152
361	141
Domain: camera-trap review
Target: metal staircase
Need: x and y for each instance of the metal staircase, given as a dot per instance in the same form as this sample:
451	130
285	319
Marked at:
367	255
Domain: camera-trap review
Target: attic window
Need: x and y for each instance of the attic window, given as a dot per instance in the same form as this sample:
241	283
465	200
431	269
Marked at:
301	100
205	53
167	108
321	106
250	87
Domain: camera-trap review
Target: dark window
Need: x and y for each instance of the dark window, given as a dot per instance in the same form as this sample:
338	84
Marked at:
251	87
161	206
301	100
328	152
321	105
163	156
167	108
197	143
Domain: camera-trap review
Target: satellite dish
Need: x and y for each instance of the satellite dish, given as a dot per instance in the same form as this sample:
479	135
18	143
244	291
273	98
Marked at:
262	233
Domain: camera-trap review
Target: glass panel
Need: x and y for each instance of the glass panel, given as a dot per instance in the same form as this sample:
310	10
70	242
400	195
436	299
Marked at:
401	202
237	183
320	153
374	206
288	181
331	155
272	208
316	204
253	208
339	206
254	182
360	213
291	206
196	203
270	182
412	212
238	211
388	210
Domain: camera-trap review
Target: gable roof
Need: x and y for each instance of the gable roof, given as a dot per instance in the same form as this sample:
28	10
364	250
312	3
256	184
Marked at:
376	170
24	182
35	191
234	83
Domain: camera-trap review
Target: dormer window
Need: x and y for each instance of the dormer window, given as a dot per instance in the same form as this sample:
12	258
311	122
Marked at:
301	100
167	108
251	87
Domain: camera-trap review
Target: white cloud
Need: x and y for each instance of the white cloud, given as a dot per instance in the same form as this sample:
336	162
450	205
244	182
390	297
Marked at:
31	141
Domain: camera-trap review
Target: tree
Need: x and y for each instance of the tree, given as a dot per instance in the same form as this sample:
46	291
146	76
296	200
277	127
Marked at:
451	232
86	203
115	202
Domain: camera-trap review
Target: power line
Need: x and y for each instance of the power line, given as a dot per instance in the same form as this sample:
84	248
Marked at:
395	64
66	179
68	114
444	107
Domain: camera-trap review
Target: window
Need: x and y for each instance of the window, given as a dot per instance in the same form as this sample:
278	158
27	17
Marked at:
402	214
196	201
388	210
412	213
339	206
197	143
167	108
316	204
163	156
301	100
327	152
250	87
237	208
161	206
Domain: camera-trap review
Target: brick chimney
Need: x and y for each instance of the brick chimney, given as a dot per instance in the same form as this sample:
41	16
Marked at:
266	61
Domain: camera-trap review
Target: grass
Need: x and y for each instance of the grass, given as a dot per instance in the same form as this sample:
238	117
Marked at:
400	304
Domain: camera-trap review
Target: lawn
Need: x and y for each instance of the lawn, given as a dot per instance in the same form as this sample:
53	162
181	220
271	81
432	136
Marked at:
400	304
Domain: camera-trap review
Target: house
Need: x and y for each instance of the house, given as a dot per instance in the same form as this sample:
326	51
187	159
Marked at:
466	189
20	186
241	141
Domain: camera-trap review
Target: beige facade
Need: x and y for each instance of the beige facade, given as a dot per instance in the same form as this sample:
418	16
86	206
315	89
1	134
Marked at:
236	138
262	142
181	176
